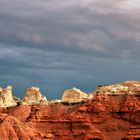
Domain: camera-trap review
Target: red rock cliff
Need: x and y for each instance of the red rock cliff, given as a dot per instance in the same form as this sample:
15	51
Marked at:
112	114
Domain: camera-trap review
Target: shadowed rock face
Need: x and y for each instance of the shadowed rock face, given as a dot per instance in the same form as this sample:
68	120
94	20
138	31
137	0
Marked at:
107	116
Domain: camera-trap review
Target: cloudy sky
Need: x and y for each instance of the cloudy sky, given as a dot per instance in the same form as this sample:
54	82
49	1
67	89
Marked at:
59	44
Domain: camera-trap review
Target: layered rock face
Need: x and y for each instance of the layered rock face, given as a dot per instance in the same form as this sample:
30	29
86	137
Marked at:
6	97
127	87
13	129
109	115
34	96
74	95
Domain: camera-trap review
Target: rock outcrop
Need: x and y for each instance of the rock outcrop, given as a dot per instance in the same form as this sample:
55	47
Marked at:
133	133
54	102
127	87
73	95
13	129
110	114
6	97
34	96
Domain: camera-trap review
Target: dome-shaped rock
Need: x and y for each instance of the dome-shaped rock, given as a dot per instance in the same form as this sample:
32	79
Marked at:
73	95
34	96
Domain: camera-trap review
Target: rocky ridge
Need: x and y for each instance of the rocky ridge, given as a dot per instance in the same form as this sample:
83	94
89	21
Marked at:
111	113
127	87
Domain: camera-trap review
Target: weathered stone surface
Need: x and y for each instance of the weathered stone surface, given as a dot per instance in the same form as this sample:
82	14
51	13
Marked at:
54	102
6	97
129	87
13	129
74	95
103	117
34	96
133	133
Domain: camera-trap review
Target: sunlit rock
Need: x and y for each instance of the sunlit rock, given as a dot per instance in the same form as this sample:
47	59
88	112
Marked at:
54	101
127	87
74	95
6	97
34	96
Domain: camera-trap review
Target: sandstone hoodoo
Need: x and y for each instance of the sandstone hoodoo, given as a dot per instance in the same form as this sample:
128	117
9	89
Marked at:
34	96
111	113
74	95
6	97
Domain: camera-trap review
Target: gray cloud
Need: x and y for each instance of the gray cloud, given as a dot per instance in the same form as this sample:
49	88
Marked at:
59	44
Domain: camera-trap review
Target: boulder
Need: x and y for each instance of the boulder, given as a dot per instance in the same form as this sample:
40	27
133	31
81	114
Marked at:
34	96
6	97
73	95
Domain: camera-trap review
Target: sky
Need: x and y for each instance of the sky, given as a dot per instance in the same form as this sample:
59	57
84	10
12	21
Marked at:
60	44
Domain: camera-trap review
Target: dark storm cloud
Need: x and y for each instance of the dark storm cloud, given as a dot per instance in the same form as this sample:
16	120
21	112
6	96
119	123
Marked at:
59	44
75	25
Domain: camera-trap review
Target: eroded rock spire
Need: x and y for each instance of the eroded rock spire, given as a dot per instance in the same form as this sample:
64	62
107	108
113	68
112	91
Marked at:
6	97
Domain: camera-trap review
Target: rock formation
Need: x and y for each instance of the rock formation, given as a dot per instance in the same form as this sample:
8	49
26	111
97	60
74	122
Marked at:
34	96
13	129
6	97
54	102
73	95
127	87
112	114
